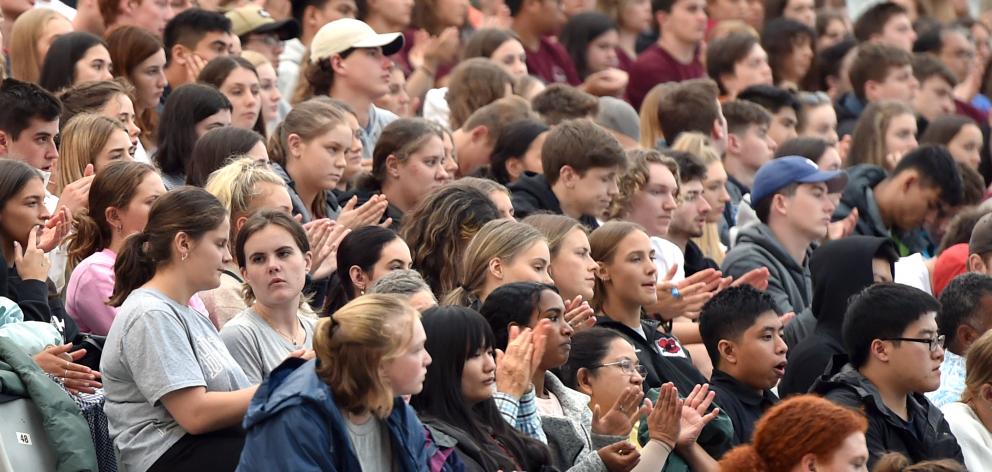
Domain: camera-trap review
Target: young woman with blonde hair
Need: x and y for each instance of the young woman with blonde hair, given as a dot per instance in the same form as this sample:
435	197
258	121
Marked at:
89	139
343	411
502	252
244	188
714	191
30	37
651	135
110	98
885	132
309	151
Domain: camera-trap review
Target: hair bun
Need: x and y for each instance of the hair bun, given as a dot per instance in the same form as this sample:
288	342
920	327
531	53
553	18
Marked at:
743	459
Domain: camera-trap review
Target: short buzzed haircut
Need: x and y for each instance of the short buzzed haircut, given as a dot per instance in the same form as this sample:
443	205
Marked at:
581	145
873	20
874	62
741	114
689	106
190	26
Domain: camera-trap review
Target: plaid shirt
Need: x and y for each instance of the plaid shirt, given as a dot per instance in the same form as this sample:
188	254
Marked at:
522	414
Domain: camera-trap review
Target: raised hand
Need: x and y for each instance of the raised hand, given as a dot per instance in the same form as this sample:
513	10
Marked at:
367	214
694	415
31	262
843	228
75	196
664	422
513	367
620	418
578	314
757	278
55	230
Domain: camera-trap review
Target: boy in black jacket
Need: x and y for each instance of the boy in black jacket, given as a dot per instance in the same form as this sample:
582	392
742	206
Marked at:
895	352
743	336
581	161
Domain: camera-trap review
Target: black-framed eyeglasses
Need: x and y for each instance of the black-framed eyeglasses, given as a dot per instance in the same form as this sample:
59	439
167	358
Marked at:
627	367
933	343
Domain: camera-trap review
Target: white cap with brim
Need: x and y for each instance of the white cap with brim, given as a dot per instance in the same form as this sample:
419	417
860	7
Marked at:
346	33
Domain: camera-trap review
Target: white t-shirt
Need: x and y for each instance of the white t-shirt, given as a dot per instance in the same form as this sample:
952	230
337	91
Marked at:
666	254
912	270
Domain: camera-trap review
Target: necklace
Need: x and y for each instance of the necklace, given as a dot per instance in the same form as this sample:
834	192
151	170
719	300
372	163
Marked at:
291	337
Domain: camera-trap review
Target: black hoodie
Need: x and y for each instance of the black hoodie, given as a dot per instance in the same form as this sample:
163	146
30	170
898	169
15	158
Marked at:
840	269
926	436
531	194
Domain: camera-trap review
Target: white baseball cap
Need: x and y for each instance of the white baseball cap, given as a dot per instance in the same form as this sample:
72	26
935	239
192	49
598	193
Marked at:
346	33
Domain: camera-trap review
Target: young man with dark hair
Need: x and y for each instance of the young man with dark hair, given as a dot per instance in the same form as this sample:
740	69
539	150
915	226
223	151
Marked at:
743	337
749	146
560	102
29	123
894	354
311	16
935	97
965	315
356	60
675	57
476	139
878	72
737	61
782	104
258	31
689	218
793	200
149	15
535	21
693	105
895	205
886	23
581	161
952	45
192	39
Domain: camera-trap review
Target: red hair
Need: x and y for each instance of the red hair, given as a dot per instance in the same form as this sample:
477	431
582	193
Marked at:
800	425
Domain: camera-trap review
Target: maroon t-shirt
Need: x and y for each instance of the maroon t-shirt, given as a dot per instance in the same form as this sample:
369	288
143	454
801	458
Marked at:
552	64
656	66
624	62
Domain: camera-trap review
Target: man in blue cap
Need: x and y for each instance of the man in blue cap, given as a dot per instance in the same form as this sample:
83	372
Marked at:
793	200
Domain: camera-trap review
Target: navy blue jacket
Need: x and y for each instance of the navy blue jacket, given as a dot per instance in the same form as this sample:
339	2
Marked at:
294	424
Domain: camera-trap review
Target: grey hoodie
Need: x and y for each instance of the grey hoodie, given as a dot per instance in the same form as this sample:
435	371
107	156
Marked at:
789	283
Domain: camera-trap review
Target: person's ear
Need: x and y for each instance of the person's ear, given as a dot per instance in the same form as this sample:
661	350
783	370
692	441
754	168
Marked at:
780	204
871	90
294	143
976	264
496	268
602	272
583	382
661	17
733	144
967	335
359	279
393	166
728	352
112	215
338	65
910	179
479	133
808	462
879	350
240	223
307	260
178	54
514	168
985	392
568	176
5	142
182	244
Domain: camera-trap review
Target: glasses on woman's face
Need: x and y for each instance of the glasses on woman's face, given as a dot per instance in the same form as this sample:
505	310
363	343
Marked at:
932	343
627	367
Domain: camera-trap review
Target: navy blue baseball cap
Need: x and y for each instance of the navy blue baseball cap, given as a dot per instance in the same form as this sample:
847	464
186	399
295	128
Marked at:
778	173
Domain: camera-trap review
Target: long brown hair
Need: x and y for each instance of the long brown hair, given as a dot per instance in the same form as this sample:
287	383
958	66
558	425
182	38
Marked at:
113	187
603	244
129	46
258	222
189	210
355	342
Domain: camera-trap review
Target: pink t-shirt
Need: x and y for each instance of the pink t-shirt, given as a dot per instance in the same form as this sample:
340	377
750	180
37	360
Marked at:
90	286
